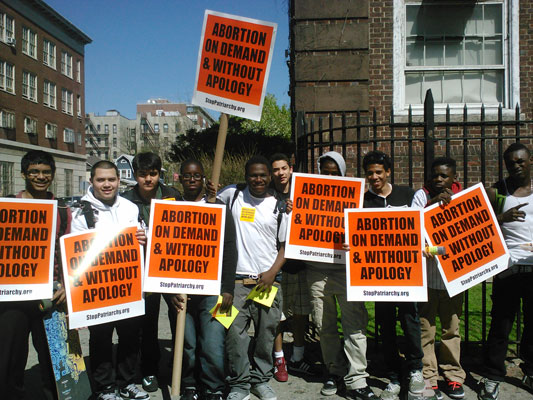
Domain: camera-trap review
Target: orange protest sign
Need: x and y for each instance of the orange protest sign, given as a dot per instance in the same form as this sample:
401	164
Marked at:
385	261
316	229
233	64
104	270
467	228
185	247
27	243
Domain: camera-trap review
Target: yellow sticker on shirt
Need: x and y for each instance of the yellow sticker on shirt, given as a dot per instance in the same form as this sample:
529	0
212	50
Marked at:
248	214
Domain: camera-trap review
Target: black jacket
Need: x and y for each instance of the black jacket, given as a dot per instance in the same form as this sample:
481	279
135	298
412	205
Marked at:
400	196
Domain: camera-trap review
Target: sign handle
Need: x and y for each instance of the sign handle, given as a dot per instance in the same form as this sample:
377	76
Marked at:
178	349
219	152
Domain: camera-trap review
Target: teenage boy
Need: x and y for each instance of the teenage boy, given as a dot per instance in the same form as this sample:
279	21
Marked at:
203	349
102	207
296	303
327	287
512	199
260	236
439	189
147	173
380	194
19	318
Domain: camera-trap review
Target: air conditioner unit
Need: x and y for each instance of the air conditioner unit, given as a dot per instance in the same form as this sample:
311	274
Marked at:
11	41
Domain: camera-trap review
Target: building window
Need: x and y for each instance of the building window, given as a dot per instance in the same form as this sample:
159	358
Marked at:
106	129
98	128
7	119
68	182
78	135
29	86
7	28
78	70
66	64
68	135
49	54
114	142
115	155
78	105
7	77
50	131
7	182
66	101
456	50
49	94
114	129
165	128
156	128
177	127
29	42
30	125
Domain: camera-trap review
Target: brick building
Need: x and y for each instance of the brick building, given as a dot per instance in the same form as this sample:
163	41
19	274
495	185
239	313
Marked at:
374	60
41	93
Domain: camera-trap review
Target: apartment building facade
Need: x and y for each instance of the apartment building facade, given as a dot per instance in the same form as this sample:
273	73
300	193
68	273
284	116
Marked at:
42	93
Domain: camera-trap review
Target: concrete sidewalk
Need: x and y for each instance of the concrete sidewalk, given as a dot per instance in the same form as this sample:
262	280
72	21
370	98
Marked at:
296	388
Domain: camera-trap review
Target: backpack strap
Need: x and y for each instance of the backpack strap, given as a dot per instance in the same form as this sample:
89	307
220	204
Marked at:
62	208
88	213
240	188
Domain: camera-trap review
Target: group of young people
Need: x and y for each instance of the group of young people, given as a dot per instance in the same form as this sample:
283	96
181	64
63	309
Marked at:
220	363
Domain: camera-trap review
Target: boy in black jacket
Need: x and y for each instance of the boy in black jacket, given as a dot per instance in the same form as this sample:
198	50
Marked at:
380	194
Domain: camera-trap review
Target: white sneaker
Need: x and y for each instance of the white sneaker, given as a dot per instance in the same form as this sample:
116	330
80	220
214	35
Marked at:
133	392
416	382
264	392
391	392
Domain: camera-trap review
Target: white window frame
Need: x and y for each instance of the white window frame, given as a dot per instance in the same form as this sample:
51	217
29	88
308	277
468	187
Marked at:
511	58
50	131
7	119
69	136
30	125
78	71
7	80
49	54
66	64
7	178
78	105
29	86
50	94
7	27
29	42
66	101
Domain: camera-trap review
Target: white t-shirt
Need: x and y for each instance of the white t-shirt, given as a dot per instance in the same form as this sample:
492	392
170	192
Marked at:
256	226
517	233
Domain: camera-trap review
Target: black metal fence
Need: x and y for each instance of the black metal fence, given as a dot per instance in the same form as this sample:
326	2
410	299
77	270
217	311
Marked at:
476	140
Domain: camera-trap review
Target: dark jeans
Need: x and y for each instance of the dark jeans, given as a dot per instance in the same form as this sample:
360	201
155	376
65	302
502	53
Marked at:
17	320
506	295
203	349
410	321
101	353
150	352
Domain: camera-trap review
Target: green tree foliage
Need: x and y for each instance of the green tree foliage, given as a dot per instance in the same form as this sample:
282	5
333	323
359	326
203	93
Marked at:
270	135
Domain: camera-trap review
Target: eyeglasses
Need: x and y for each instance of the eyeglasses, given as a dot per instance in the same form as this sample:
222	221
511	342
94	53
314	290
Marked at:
195	176
37	172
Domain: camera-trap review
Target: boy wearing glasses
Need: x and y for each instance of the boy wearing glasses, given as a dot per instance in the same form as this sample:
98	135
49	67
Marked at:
19	318
147	173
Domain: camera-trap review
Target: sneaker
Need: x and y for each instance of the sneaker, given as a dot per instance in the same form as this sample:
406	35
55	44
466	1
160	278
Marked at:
107	396
416	382
189	393
263	391
238	396
489	389
391	392
438	393
133	392
150	383
454	390
329	388
280	370
302	367
361	394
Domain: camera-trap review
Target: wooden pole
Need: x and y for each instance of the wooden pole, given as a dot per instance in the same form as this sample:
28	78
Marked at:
180	322
219	152
178	349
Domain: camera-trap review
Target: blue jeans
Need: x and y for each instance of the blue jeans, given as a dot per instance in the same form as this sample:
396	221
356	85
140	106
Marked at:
203	348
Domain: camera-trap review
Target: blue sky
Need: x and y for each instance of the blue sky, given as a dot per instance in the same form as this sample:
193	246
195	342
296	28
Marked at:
145	49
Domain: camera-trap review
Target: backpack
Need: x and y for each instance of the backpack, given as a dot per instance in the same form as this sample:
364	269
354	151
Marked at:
88	213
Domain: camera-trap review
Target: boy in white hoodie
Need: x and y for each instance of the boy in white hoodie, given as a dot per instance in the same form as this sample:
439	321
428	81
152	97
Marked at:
102	207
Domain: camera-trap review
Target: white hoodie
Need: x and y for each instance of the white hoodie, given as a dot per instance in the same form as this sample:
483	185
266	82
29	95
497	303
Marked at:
122	212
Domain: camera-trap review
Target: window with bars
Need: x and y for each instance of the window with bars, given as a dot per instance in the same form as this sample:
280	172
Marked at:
68	182
7	182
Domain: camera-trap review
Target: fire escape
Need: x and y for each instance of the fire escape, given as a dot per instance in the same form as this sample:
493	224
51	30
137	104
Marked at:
148	135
